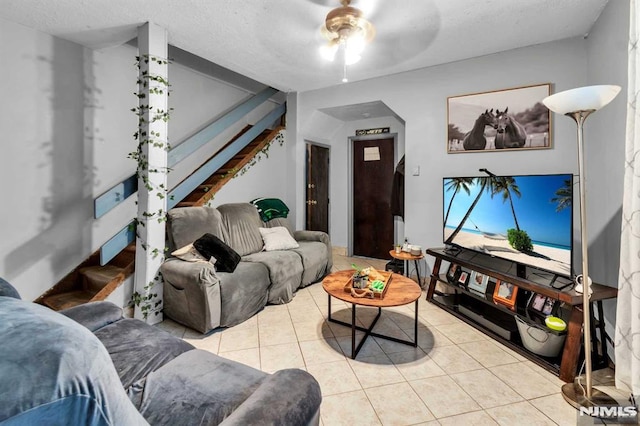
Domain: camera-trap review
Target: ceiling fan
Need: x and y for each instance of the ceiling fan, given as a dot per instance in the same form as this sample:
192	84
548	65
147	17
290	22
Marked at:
345	28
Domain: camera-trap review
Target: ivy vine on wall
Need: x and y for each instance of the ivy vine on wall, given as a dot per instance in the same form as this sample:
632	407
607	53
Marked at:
235	172
154	84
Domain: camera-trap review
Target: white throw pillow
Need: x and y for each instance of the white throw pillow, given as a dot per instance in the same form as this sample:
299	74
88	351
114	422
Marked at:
190	254
277	238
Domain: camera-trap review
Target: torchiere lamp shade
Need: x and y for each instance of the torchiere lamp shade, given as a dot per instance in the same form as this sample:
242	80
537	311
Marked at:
589	98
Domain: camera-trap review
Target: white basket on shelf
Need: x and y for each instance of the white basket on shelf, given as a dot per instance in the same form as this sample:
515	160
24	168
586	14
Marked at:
539	339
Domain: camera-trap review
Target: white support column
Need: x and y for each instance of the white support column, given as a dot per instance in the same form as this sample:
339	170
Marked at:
152	179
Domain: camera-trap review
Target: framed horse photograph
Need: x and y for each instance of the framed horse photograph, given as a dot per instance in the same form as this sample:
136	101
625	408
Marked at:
507	119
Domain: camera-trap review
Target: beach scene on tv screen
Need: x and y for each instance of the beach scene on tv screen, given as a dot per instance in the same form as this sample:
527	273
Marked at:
526	219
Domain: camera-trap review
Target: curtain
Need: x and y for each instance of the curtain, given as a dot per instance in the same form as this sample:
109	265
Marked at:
627	335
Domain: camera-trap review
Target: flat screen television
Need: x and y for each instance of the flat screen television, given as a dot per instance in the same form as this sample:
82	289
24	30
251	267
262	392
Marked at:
526	219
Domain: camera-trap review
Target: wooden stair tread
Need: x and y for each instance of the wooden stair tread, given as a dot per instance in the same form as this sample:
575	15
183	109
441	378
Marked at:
67	299
95	278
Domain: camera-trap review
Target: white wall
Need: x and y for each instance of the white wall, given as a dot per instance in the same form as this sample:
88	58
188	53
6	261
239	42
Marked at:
419	98
45	161
67	129
605	147
605	141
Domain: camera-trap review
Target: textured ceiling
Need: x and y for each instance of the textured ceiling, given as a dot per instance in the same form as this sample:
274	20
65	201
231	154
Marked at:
276	41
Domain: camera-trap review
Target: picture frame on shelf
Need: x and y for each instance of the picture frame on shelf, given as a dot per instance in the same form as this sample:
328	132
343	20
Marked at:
542	305
453	273
505	294
547	309
463	278
478	282
499	120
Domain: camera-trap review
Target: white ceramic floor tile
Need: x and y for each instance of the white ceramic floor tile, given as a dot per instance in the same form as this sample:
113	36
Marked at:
375	371
278	357
335	377
524	380
443	396
453	360
439	317
232	340
461	333
486	389
306	314
389	346
321	351
209	343
476	418
250	357
315	330
557	409
520	413
398	404
415	365
273	315
277	334
429	337
488	353
248	323
348	409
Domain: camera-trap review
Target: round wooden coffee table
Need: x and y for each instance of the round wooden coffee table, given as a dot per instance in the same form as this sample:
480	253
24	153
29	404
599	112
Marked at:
401	291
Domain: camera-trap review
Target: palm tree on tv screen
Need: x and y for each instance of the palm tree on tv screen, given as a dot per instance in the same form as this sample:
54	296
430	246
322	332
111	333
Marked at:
483	181
457	184
506	185
564	196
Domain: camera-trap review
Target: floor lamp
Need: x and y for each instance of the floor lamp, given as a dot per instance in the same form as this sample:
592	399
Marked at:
579	104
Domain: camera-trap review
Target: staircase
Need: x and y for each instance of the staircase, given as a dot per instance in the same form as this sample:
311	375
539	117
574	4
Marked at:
205	192
92	282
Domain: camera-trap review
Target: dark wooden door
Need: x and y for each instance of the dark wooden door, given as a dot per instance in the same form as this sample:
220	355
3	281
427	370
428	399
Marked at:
317	188
372	179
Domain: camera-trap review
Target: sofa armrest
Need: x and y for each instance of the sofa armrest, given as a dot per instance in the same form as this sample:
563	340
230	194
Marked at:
189	275
320	236
191	293
287	397
94	315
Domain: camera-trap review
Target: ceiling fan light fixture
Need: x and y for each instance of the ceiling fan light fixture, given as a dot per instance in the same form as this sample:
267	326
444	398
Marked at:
328	51
347	29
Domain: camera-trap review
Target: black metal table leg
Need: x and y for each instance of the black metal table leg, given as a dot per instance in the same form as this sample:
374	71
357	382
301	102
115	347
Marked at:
415	262
369	330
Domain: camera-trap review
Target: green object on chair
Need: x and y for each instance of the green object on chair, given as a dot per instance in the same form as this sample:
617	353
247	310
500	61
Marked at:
270	208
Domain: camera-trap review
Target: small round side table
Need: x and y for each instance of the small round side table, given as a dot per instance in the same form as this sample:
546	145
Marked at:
406	257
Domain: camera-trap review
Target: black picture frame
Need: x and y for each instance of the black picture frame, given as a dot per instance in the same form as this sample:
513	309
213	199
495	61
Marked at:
453	273
542	305
463	278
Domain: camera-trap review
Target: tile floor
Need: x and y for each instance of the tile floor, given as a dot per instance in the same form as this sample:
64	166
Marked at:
456	376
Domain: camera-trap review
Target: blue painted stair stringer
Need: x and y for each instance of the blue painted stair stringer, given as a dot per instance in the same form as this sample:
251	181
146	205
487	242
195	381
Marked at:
120	192
127	235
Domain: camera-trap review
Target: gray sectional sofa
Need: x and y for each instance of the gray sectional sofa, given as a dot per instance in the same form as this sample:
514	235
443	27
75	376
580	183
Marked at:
88	365
198	296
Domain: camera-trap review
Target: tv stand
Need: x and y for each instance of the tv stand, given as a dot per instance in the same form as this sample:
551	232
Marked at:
464	303
521	270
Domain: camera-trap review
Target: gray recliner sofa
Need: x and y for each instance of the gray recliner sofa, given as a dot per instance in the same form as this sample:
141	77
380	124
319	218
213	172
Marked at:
198	296
88	365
